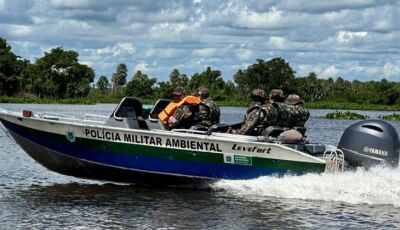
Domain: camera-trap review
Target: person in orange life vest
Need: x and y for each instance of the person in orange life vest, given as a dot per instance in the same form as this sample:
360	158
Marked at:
180	112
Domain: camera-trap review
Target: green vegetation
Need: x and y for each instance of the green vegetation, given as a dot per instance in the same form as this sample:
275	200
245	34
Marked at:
345	116
351	106
55	75
36	100
58	77
390	117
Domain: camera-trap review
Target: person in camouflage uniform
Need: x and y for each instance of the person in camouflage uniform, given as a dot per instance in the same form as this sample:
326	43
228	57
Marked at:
276	96
291	112
295	107
258	116
185	114
291	116
209	112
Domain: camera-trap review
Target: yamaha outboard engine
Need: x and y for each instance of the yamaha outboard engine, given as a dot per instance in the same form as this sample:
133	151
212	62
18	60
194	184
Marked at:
370	142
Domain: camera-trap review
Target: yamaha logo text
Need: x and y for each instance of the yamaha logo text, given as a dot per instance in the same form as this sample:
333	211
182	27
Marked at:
380	152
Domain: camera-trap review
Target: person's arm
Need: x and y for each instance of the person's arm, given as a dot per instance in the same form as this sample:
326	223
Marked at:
202	117
251	121
183	112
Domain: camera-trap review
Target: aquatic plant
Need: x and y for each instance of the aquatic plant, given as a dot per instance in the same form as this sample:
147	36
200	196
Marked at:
390	117
347	115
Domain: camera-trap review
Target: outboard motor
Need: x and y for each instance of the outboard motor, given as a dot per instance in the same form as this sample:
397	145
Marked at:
370	142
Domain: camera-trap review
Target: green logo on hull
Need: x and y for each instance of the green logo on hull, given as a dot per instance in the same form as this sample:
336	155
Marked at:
70	135
238	159
242	160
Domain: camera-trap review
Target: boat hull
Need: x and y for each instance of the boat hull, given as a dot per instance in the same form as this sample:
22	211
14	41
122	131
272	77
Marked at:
89	153
71	166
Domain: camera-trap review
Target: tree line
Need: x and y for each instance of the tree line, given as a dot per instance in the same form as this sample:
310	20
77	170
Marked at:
58	74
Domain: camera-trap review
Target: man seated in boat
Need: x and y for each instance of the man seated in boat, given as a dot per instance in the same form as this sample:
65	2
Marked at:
291	118
258	116
296	108
209	112
291	111
181	112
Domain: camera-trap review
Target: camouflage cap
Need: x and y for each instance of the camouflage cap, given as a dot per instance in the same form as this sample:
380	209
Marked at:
276	93
258	92
179	91
293	99
202	91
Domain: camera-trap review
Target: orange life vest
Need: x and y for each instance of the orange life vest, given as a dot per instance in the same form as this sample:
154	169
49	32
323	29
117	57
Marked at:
173	106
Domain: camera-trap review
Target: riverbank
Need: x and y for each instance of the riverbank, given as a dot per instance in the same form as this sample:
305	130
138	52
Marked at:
114	100
351	106
37	100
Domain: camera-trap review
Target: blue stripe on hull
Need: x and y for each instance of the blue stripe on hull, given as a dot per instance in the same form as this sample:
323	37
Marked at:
137	162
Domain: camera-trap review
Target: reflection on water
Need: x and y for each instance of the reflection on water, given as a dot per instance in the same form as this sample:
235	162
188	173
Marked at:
33	197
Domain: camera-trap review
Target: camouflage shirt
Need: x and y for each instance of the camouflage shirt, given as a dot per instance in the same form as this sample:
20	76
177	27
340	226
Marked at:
183	116
292	115
258	118
208	113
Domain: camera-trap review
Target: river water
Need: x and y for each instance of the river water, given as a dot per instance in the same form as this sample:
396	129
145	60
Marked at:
32	197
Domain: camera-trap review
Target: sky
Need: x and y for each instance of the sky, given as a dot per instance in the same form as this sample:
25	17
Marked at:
356	39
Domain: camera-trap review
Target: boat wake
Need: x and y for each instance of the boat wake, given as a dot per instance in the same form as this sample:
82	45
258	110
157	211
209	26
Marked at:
375	186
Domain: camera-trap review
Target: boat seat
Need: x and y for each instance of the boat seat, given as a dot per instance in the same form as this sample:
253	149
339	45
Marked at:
223	128
153	122
157	108
275	131
128	114
199	127
302	130
156	124
127	123
312	149
291	136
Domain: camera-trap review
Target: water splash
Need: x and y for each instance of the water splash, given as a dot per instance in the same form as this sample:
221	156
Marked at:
375	186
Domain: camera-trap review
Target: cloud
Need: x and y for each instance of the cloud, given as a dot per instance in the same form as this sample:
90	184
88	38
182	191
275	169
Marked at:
369	70
205	52
2	4
276	42
244	54
117	50
390	70
71	3
304	69
325	6
19	30
16	7
330	71
167	32
15	12
169	53
143	5
354	39
347	36
134	15
141	66
252	19
88	4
